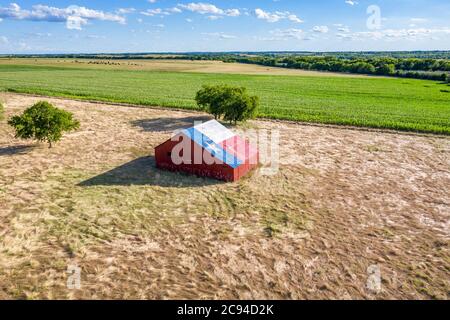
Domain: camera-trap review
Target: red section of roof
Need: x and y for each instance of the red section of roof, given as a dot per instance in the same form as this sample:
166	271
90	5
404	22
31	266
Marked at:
240	148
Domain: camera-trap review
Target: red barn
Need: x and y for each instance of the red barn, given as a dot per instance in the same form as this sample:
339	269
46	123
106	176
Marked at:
208	150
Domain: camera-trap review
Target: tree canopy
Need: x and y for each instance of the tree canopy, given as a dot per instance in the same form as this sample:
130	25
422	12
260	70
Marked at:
232	103
43	122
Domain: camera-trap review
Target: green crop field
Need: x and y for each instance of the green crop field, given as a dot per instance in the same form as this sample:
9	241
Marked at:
402	104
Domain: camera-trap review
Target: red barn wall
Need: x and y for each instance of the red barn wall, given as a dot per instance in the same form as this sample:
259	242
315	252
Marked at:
219	170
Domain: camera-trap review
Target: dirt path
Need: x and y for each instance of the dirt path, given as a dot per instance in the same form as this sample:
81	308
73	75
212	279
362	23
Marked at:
345	205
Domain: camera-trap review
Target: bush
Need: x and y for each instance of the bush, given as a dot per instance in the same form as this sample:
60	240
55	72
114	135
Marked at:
43	122
232	103
1	111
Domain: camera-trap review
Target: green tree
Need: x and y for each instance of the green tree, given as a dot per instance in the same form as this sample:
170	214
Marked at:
233	103
240	106
386	69
210	99
43	122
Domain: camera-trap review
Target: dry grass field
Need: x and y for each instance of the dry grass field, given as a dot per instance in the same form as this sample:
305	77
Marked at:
343	200
161	65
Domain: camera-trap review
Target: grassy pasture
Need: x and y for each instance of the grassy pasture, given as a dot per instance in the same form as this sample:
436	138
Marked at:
401	104
342	201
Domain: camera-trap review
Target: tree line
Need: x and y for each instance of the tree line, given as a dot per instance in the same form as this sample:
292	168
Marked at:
430	69
419	65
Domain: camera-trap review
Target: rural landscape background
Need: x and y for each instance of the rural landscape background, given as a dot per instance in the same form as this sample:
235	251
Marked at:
358	91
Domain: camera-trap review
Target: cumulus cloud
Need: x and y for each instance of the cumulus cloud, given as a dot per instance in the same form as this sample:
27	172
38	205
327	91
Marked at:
202	8
74	16
161	12
211	9
320	29
154	12
351	2
75	23
232	12
276	16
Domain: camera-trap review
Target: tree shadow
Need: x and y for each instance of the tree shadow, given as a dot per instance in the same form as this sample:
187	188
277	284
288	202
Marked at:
11	151
143	172
168	123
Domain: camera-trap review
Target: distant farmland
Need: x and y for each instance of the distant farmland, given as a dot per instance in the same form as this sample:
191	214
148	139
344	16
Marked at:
401	104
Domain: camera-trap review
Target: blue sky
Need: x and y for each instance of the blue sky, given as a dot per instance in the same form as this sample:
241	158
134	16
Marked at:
222	25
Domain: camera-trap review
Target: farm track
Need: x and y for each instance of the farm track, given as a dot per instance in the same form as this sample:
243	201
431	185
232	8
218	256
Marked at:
342	202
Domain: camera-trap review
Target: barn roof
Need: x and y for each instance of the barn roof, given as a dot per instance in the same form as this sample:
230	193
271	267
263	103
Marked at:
220	142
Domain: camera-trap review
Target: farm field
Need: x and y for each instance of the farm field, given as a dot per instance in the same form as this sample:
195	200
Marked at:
342	202
400	104
169	65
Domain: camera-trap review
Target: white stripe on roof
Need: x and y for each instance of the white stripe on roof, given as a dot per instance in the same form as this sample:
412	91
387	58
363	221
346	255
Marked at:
215	131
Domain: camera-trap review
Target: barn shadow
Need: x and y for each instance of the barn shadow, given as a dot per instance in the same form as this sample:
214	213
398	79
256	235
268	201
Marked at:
168	123
11	151
143	172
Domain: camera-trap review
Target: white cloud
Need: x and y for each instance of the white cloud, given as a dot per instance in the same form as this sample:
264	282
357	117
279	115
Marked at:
75	23
286	34
396	34
4	40
276	16
294	18
233	12
219	35
351	2
153	12
74	16
321	29
202	8
175	10
213	18
211	9
125	10
269	17
161	12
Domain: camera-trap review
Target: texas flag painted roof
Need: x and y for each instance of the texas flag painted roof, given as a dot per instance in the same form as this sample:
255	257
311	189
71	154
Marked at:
221	142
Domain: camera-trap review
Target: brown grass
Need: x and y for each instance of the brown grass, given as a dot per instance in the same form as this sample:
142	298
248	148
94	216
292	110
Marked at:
342	201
